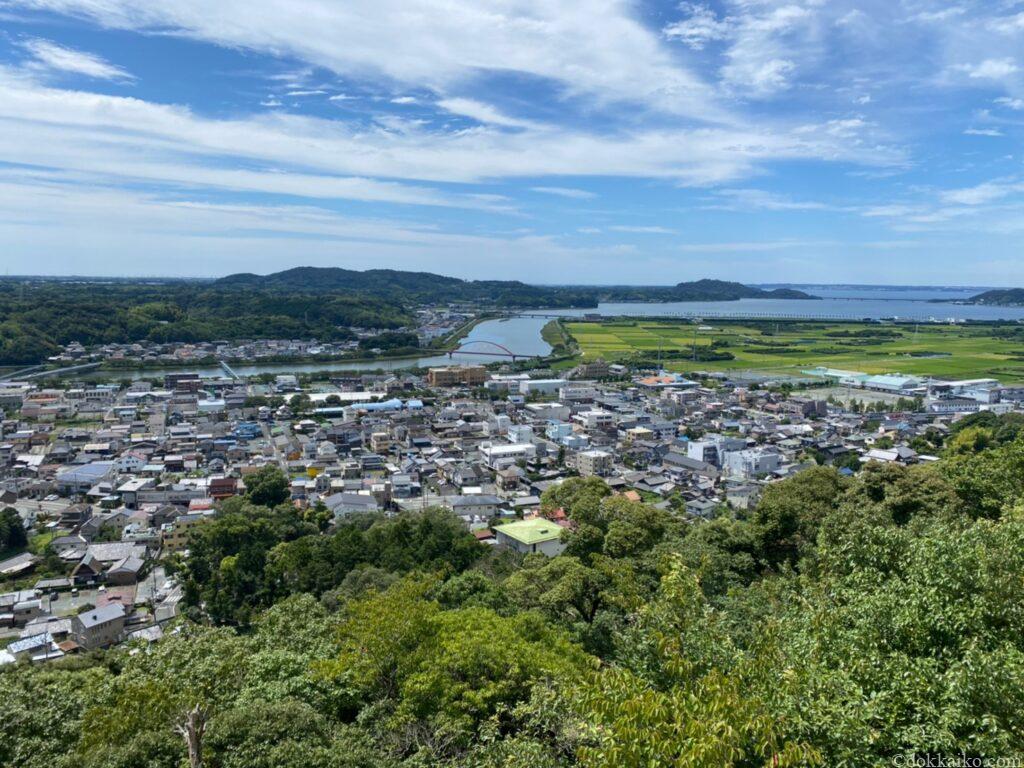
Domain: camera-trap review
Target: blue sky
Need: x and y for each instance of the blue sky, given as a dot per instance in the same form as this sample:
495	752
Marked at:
578	141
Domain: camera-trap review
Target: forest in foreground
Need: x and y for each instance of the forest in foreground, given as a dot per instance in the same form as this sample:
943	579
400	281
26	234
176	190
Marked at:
841	622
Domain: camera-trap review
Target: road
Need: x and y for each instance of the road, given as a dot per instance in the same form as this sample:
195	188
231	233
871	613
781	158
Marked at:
50	508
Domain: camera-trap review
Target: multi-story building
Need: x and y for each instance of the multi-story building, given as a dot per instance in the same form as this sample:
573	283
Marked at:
594	463
456	375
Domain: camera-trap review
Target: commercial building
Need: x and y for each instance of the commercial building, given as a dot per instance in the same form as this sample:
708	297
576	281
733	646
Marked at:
457	375
540	386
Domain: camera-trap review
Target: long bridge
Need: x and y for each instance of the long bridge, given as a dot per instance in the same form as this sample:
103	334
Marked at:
39	372
498	350
721	314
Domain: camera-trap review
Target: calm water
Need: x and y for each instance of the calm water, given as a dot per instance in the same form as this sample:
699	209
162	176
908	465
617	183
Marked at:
521	335
835	303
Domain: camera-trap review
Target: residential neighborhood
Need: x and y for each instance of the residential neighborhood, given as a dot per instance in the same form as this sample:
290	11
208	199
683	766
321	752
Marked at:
110	480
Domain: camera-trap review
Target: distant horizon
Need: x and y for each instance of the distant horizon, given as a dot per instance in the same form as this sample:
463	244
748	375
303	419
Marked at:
546	284
829	143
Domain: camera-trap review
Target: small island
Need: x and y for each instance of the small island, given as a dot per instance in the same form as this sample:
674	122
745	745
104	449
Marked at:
999	297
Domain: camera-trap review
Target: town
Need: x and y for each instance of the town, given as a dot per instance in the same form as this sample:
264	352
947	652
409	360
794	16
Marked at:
101	484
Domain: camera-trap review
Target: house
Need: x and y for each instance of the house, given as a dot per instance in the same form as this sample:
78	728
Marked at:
479	505
88	570
18	565
701	507
99	627
530	536
125	571
342	504
222	487
38	647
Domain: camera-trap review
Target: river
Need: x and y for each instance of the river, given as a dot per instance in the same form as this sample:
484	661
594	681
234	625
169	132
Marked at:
521	334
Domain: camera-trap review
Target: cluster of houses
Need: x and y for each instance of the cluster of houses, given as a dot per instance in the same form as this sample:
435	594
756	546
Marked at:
110	480
431	324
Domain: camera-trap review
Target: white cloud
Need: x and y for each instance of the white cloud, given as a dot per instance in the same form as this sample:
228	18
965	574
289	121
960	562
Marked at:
642	230
747	247
761	58
481	112
1009	25
113	135
50	56
603	52
575	194
993	132
100	230
989	69
404	100
1010	103
699	28
757	199
982	193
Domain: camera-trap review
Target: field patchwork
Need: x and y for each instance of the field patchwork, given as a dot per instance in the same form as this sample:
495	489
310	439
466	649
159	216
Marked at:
955	351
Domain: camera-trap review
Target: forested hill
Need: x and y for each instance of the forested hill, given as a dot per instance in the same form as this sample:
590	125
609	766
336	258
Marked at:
428	287
1000	297
38	316
722	290
696	290
38	319
420	287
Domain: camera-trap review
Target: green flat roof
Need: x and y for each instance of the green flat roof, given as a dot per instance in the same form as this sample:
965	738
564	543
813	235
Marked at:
533	531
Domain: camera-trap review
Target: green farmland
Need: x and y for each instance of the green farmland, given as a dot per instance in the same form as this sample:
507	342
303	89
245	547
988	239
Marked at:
972	351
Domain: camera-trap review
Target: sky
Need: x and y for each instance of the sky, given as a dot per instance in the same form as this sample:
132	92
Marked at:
550	141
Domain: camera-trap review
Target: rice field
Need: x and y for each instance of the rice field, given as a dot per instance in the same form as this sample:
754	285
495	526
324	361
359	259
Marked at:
955	351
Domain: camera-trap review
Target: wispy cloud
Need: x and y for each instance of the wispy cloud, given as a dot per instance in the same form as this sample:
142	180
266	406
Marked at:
47	55
641	230
569	192
989	69
482	113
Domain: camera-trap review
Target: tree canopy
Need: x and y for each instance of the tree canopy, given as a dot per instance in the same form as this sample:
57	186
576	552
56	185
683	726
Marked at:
841	622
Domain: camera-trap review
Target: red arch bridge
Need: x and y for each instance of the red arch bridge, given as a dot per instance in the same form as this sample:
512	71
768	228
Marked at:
492	349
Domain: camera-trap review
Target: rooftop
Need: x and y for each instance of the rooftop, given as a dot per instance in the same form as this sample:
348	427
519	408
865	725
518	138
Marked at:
534	531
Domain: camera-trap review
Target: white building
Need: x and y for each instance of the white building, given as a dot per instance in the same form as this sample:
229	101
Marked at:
750	463
501	455
541	386
595	419
594	463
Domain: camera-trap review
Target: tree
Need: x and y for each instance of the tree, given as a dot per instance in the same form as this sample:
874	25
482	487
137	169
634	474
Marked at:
12	531
267	487
789	513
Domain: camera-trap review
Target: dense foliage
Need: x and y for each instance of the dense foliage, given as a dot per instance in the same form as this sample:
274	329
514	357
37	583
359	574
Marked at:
12	532
416	287
37	319
842	622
